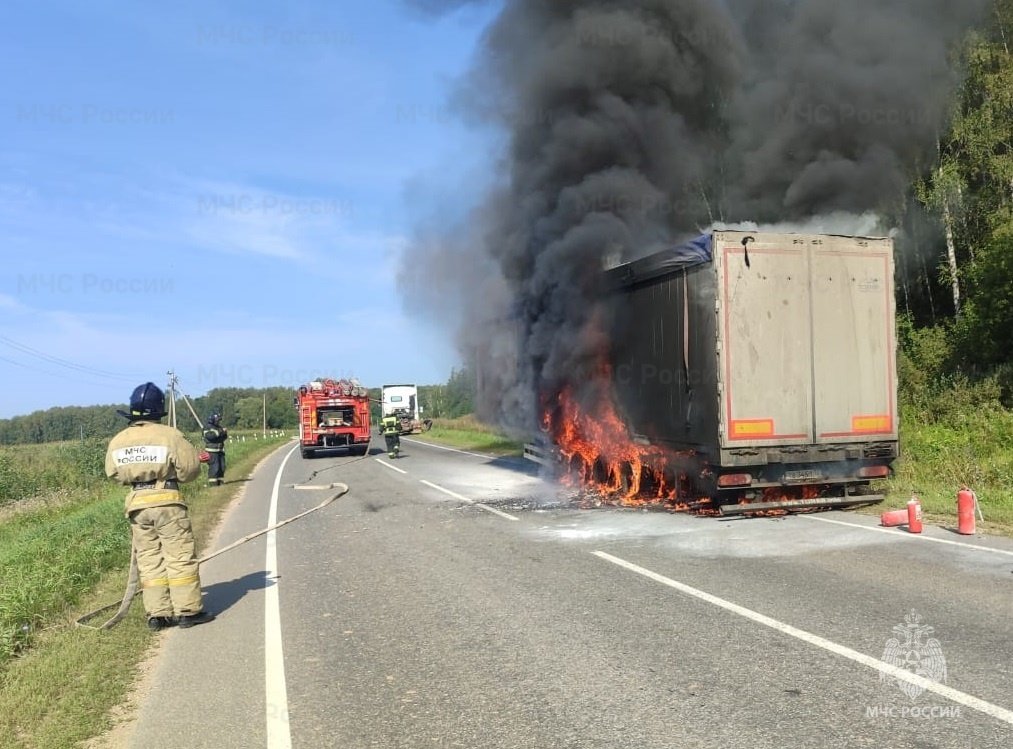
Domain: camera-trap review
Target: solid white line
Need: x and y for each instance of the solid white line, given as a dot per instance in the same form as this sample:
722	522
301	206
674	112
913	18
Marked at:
455	495
279	734
451	449
385	464
942	690
912	536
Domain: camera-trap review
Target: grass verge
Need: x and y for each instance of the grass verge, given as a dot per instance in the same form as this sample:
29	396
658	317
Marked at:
467	433
938	459
60	682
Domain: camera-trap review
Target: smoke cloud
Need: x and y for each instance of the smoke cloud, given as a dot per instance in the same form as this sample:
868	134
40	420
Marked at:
632	125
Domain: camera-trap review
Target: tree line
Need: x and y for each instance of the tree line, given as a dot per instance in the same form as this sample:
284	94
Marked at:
956	327
239	408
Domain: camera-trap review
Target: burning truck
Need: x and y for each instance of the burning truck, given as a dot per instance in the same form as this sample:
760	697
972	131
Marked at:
745	372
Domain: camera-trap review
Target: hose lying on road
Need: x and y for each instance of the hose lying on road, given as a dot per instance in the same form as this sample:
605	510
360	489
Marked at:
133	578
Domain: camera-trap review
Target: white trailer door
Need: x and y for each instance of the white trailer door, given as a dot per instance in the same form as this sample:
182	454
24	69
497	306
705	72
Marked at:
853	347
765	339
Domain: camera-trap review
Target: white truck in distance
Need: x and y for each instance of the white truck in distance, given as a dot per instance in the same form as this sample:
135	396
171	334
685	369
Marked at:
402	401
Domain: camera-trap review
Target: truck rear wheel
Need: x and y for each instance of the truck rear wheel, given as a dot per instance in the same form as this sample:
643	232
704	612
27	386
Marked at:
306	452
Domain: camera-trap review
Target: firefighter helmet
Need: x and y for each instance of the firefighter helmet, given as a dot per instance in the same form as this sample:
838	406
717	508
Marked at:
147	402
214	420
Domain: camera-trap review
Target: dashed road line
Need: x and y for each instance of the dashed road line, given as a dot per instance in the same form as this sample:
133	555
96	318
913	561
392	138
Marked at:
385	464
461	497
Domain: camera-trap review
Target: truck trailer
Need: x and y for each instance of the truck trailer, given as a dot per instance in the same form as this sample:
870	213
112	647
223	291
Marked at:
770	358
333	414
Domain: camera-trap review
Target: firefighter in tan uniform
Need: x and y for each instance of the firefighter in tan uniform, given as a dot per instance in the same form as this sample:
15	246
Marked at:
153	459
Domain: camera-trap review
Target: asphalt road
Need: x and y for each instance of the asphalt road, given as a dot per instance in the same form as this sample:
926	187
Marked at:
451	600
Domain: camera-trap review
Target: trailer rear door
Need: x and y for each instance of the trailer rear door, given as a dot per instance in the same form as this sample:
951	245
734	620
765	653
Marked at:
806	339
765	341
854	366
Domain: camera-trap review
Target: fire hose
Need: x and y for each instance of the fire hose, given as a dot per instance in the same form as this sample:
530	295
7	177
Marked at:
133	579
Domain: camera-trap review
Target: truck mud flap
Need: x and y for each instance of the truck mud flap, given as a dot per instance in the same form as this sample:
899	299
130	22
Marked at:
789	505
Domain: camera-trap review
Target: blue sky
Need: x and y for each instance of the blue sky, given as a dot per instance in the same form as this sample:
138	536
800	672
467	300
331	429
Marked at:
223	189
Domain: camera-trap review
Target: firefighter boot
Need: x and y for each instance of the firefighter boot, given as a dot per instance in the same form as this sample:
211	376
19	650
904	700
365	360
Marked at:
191	620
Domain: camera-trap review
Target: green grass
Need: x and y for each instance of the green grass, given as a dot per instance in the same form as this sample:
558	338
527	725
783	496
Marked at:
467	433
58	682
28	470
937	459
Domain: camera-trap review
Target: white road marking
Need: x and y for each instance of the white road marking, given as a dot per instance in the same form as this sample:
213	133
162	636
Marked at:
942	690
451	449
912	536
494	511
455	495
279	734
385	464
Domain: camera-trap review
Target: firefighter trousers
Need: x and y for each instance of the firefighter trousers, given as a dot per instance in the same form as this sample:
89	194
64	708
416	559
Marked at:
216	467
166	560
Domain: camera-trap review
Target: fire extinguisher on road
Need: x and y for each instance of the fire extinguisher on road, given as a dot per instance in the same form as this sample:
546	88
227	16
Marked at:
914	515
967	503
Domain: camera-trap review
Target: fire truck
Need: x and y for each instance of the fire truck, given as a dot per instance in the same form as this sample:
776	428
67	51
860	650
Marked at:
333	414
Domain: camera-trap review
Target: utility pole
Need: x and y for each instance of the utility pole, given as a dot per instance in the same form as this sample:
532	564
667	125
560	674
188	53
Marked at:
265	414
172	397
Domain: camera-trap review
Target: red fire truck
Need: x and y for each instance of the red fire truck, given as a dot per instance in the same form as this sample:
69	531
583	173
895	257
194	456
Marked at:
333	414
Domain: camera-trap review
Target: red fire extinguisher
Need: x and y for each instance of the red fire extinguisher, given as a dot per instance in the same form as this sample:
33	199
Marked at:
967	502
914	515
893	518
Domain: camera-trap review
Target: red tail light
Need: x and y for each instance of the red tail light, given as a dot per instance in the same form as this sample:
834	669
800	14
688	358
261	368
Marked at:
735	479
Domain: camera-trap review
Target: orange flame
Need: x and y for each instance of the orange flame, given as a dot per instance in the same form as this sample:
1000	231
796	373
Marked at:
600	454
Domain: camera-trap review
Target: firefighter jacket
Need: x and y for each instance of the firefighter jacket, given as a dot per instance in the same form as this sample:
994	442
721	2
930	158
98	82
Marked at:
391	425
152	459
214	439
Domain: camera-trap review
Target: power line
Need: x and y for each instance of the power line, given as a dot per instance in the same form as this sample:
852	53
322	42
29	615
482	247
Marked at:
65	362
58	375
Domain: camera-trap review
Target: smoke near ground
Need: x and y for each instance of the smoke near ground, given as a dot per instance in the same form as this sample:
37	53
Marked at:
632	125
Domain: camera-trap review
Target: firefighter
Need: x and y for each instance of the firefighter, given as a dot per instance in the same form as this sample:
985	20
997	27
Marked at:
214	444
153	460
391	428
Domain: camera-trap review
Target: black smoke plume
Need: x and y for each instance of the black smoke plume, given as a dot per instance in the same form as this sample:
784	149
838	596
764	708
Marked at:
632	125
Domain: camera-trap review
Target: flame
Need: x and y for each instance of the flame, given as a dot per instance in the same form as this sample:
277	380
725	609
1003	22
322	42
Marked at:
600	455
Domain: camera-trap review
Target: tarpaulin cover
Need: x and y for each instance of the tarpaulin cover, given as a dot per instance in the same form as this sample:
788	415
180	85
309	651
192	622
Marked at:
686	255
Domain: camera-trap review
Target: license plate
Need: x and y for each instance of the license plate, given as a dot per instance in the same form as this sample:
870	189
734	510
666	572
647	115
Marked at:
796	476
